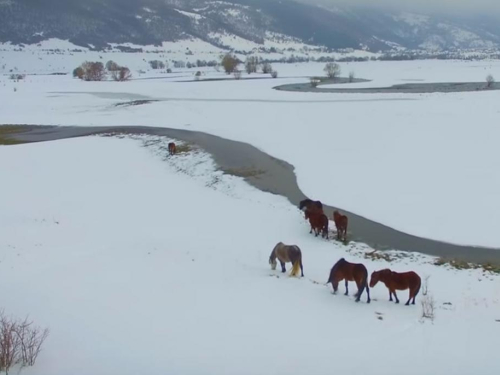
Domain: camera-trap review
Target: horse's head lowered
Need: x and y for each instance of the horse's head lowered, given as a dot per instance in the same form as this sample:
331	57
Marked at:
272	262
378	276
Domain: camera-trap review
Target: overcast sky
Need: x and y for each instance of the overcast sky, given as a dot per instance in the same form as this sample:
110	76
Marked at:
486	7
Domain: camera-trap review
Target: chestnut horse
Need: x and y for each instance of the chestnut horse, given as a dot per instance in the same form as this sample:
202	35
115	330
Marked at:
287	253
310	206
341	222
171	148
343	270
398	281
319	223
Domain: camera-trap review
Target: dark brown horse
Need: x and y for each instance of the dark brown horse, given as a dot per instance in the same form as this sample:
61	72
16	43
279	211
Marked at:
341	222
319	223
287	253
310	206
171	148
397	281
343	270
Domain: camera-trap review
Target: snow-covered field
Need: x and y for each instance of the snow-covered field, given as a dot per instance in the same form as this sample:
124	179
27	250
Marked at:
425	164
139	263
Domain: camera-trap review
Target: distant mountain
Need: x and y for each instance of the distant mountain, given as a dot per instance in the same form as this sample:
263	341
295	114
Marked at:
144	22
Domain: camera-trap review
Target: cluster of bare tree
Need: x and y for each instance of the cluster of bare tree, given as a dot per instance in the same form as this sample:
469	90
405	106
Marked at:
96	71
20	342
230	64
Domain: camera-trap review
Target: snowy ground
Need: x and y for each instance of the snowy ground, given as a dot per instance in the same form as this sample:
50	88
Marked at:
421	163
140	263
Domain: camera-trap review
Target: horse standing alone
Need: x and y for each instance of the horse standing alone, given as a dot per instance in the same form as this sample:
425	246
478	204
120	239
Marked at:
343	270
398	281
341	222
171	148
285	254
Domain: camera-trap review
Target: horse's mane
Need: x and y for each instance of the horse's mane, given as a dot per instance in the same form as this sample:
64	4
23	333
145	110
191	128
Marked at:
304	203
337	265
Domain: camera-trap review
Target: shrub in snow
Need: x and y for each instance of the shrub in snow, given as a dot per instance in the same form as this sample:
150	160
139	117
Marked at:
197	75
157	64
332	70
93	71
490	80
251	64
237	74
351	76
267	68
20	342
111	66
17	77
428	303
169	70
78	72
229	63
121	74
274	74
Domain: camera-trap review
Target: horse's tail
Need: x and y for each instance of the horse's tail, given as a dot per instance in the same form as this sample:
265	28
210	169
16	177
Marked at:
364	285
296	267
417	289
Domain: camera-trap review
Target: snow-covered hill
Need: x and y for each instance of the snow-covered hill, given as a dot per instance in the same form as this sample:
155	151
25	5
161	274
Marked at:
98	23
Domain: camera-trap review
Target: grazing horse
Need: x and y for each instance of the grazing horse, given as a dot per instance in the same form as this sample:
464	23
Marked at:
171	148
285	254
397	281
343	270
311	207
341	222
319	223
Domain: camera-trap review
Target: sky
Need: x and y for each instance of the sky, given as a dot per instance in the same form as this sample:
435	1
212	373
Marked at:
465	7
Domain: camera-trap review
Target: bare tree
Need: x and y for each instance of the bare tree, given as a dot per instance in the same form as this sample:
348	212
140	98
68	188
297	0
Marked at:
78	72
93	71
9	343
121	74
351	77
237	74
157	64
267	68
229	63
428	303
251	64
332	70
111	66
31	339
490	80
274	74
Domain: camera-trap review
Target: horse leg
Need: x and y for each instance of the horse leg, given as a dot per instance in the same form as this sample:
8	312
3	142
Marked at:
410	297
346	289
301	269
390	295
283	269
395	296
368	293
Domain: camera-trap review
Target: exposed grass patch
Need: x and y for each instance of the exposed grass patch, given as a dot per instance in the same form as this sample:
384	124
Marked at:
183	148
244	172
6	132
377	255
463	265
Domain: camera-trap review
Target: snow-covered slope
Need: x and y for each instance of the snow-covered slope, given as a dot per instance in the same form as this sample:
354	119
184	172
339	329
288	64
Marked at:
151	266
151	22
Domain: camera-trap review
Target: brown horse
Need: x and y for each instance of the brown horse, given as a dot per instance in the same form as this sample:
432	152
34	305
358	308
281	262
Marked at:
287	253
319	223
171	148
397	281
341	222
343	270
311	207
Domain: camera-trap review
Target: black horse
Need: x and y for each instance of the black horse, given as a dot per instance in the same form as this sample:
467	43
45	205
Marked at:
306	203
